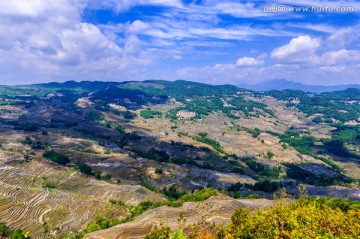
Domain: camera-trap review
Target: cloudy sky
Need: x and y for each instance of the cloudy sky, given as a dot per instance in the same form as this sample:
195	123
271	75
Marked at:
212	41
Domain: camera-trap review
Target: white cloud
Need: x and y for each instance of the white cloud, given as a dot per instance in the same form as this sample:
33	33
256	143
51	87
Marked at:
313	74
123	5
344	36
332	68
48	41
298	49
239	9
249	61
314	27
340	57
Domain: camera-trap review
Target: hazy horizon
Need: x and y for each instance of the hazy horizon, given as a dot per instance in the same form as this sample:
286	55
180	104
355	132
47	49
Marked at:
238	85
215	42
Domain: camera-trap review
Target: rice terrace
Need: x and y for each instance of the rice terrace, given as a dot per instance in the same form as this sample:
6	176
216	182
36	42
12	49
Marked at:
179	119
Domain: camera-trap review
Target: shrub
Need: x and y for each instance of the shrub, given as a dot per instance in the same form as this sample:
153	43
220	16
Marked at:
317	120
55	157
94	116
159	171
48	185
304	218
6	232
178	161
148	113
270	154
85	169
172	192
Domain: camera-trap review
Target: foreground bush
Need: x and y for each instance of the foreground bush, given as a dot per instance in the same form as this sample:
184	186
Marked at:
6	232
304	218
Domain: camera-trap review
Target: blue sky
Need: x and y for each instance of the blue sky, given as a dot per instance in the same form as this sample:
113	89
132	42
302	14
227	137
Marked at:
211	41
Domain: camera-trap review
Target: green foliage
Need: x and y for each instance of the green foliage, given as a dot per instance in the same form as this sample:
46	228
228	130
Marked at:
85	169
305	218
148	186
34	144
55	157
107	177
119	128
203	134
338	148
331	104
270	154
6	232
303	145
125	138
159	171
93	116
178	161
97	175
27	140
128	115
317	120
159	232
148	113
19	234
179	234
27	127
48	185
172	192
261	169
154	154
347	134
85	150
254	132
117	202
199	195
263	185
102	222
213	143
295	172
180	134
331	163
177	198
171	114
141	208
202	99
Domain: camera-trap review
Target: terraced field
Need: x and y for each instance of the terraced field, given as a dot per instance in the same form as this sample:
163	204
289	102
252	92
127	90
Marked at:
70	206
217	209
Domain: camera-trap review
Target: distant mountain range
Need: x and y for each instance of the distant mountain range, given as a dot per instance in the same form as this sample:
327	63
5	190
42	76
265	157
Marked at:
291	85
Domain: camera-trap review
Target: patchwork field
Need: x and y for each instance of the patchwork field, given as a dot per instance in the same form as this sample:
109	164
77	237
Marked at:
106	160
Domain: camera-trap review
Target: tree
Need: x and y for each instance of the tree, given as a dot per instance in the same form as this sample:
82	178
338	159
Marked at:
55	157
85	169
